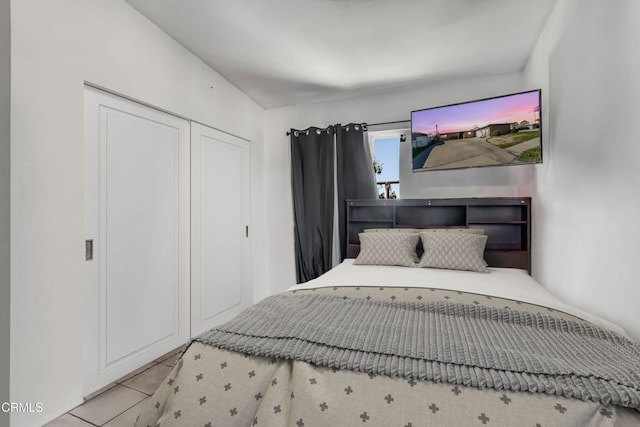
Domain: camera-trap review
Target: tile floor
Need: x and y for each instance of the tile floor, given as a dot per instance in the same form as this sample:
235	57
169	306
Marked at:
118	404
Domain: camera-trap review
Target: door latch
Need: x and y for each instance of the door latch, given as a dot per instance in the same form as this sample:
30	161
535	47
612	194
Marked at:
88	249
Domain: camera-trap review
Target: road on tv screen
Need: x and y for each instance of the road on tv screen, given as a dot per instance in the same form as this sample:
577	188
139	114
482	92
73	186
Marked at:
470	152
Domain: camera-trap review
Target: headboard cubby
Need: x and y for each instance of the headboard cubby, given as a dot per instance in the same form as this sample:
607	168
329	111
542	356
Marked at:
505	220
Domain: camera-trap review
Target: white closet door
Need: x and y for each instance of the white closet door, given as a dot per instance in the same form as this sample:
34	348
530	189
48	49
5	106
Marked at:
220	265
137	214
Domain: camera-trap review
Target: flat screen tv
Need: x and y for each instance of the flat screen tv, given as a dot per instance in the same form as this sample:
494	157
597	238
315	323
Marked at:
498	131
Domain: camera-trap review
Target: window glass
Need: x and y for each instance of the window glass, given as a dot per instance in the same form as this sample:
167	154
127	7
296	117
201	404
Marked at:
386	165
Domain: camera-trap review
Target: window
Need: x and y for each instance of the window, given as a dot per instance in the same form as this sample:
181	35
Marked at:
385	147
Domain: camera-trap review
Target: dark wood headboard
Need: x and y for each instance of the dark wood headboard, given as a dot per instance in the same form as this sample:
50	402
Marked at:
505	220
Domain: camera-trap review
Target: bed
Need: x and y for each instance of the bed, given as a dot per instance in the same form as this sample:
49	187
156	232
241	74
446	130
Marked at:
397	345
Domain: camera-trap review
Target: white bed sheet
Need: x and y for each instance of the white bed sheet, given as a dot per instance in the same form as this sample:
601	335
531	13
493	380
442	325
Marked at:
508	283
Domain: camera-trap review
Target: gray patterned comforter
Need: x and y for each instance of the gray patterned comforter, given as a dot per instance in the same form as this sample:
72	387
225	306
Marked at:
382	382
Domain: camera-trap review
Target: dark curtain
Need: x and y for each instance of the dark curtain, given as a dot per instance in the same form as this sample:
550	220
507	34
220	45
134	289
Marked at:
312	182
355	173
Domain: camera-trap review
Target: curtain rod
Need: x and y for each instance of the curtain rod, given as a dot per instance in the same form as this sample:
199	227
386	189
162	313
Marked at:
369	124
388	123
307	130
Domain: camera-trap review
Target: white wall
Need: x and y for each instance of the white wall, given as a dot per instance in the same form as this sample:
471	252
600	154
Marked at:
57	45
586	241
377	108
5	176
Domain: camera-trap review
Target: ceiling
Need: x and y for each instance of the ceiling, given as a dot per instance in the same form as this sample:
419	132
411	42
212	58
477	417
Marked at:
284	52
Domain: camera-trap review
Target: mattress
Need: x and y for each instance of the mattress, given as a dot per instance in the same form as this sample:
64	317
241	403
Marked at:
211	386
507	283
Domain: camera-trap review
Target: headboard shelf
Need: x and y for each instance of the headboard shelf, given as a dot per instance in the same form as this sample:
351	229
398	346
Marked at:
389	221
498	222
505	220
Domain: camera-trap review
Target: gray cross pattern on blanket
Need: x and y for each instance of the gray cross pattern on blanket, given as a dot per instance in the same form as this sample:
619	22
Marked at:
343	397
503	348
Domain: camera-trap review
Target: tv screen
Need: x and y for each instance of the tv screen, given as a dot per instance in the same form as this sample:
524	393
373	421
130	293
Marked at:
504	130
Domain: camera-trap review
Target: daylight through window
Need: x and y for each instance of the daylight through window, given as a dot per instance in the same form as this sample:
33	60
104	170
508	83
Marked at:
386	164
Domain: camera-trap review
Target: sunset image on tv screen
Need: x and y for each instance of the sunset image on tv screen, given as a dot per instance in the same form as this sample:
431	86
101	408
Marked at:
504	130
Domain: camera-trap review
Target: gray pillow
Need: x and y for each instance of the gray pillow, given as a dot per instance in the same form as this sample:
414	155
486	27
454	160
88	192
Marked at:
454	251
388	249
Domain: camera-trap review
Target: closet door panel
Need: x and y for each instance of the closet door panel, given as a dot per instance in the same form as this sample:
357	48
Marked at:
137	216
140	201
220	194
